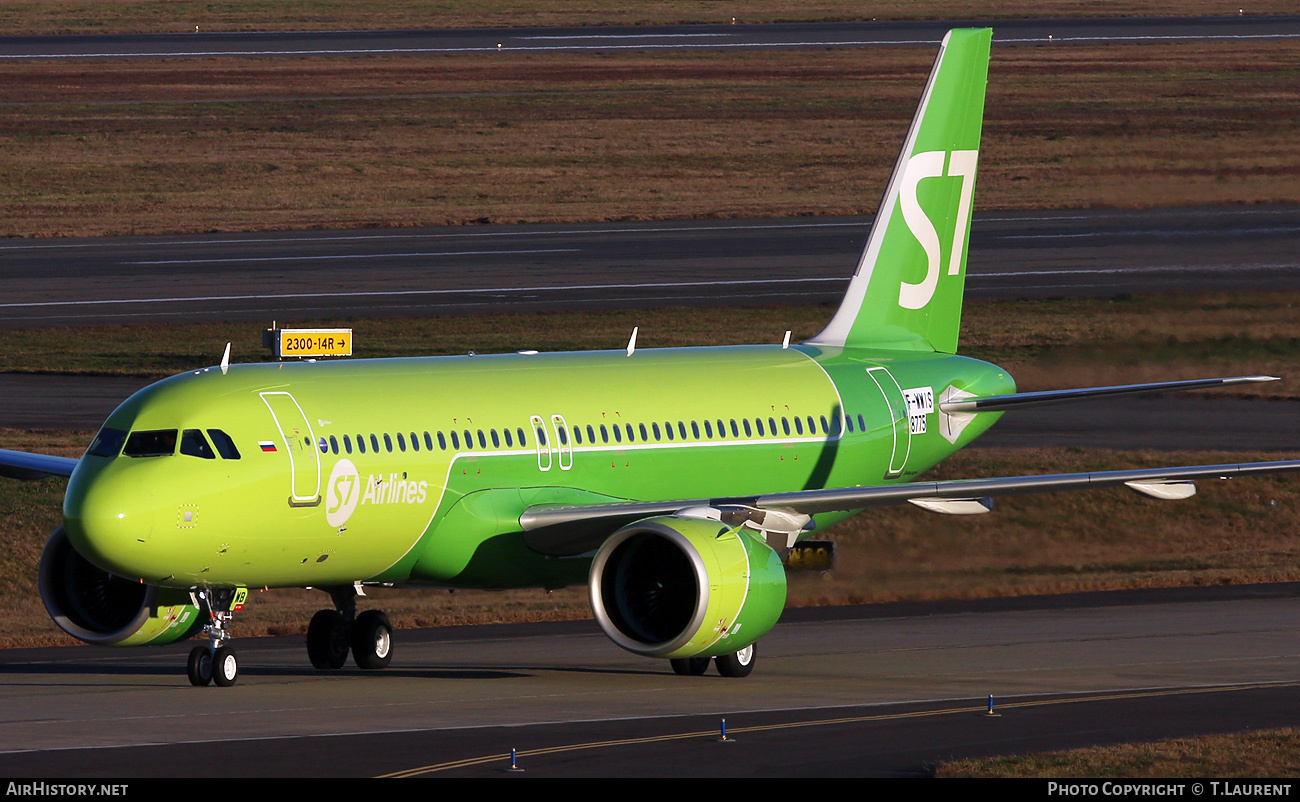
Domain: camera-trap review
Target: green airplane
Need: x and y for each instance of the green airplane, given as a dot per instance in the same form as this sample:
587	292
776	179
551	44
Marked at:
674	482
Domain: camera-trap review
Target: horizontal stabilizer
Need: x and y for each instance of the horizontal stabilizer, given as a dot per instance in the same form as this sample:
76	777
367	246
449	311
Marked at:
995	403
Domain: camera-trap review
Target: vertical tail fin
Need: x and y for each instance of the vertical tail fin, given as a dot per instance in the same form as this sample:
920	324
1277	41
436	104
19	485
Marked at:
908	288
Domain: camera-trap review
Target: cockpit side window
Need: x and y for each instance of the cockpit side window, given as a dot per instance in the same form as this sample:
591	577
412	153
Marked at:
108	443
194	444
224	444
151	443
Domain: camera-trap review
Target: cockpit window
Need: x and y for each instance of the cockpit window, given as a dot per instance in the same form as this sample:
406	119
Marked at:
225	445
194	444
153	443
108	443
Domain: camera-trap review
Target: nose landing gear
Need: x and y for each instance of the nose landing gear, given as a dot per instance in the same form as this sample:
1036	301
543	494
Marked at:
217	661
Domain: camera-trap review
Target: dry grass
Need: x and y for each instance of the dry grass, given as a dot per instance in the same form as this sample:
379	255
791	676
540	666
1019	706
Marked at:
153	146
1043	343
1262	754
181	16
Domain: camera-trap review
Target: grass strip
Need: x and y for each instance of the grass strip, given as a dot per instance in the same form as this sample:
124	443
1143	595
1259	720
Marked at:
148	146
1262	753
1047	343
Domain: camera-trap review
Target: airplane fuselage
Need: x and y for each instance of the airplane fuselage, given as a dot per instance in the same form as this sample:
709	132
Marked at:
416	471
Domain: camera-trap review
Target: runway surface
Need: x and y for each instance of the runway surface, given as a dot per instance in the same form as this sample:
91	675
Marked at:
865	691
1007	32
464	270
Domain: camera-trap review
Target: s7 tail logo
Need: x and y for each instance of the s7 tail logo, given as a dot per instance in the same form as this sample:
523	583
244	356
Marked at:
930	164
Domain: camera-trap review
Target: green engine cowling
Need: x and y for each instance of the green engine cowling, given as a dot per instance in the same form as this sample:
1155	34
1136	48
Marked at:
99	608
678	586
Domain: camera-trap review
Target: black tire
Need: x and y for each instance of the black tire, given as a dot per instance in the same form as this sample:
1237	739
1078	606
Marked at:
737	664
199	666
372	640
327	643
225	667
690	666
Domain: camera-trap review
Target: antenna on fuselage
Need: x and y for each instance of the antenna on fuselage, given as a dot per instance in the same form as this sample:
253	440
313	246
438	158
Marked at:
786	342
631	343
225	360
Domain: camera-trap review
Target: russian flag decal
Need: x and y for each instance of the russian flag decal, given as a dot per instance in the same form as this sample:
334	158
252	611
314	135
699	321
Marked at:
267	445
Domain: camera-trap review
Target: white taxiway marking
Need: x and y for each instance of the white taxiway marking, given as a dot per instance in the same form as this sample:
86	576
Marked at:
390	293
639	46
349	256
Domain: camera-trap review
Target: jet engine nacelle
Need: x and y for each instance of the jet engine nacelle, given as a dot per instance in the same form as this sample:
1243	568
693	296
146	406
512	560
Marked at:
99	608
678	586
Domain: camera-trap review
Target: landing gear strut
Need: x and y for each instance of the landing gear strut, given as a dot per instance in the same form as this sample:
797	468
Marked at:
333	632
217	661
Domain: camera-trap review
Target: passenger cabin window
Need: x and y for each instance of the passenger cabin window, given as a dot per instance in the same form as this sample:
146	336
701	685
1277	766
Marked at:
108	443
152	443
194	444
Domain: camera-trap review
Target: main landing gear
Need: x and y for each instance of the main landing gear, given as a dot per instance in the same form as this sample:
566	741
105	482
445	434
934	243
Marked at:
736	664
332	633
217	661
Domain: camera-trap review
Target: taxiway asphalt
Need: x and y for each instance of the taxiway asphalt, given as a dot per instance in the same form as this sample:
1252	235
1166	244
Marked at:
1055	32
471	269
882	690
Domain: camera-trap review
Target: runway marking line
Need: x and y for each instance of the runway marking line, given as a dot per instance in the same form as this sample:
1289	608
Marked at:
552	750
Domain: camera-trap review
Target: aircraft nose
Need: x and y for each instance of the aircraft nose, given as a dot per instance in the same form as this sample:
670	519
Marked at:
108	517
